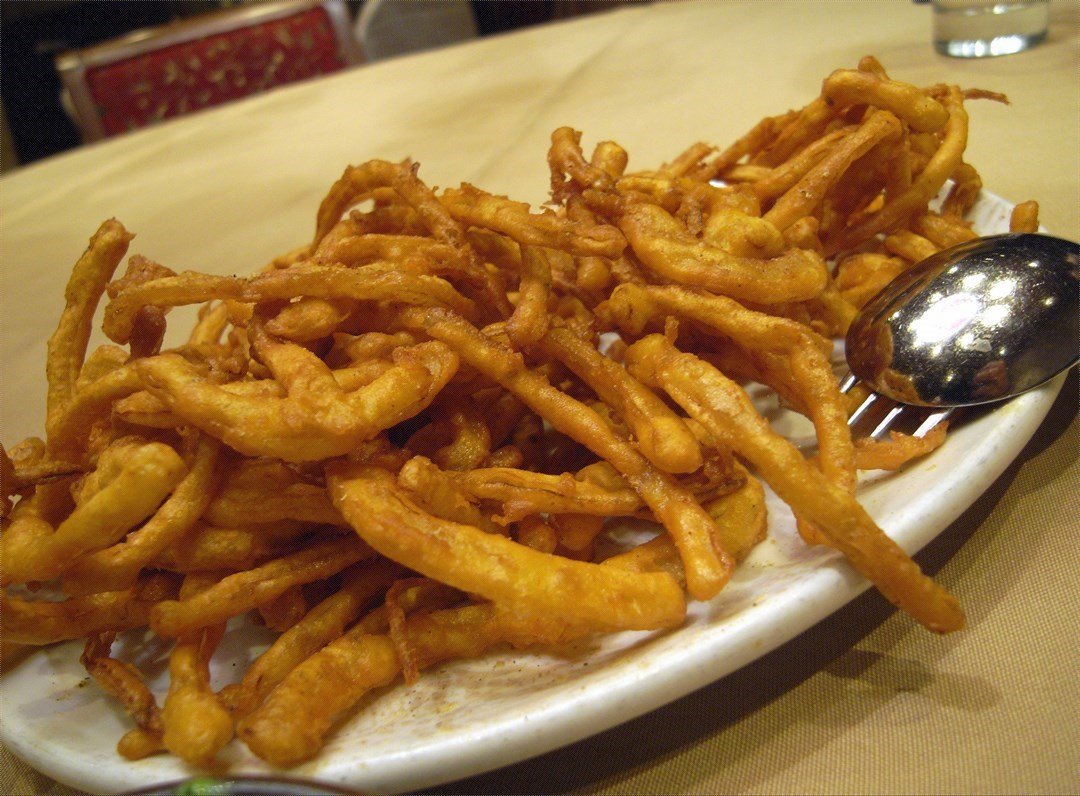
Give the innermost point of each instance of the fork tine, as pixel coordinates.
(887, 421)
(849, 381)
(928, 423)
(864, 407)
(932, 421)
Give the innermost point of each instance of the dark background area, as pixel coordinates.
(34, 32)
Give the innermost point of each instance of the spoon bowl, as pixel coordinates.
(980, 322)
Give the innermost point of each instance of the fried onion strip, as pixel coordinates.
(322, 624)
(491, 565)
(242, 591)
(117, 567)
(123, 681)
(288, 428)
(663, 246)
(523, 492)
(659, 433)
(472, 206)
(375, 282)
(195, 723)
(530, 319)
(726, 411)
(67, 346)
(291, 725)
(40, 622)
(144, 480)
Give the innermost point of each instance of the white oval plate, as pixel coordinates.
(467, 717)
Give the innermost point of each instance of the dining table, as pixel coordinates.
(863, 701)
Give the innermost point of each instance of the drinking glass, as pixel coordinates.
(983, 28)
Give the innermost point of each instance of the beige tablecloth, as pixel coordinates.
(865, 702)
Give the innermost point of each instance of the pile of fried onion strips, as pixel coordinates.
(409, 439)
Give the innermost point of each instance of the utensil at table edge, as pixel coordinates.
(980, 322)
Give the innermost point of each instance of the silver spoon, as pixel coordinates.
(980, 322)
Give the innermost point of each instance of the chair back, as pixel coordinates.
(388, 28)
(171, 70)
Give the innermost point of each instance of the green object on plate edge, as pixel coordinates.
(245, 786)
